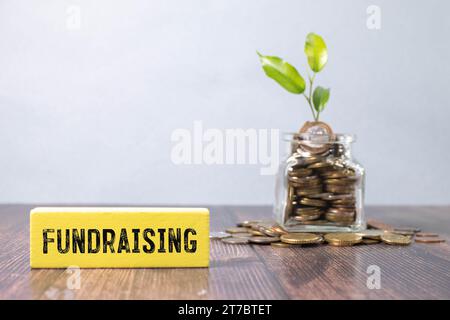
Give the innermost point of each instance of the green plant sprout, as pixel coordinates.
(290, 79)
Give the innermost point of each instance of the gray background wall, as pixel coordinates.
(86, 114)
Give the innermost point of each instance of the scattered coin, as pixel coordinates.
(218, 235)
(373, 234)
(263, 240)
(278, 230)
(236, 230)
(269, 232)
(301, 238)
(256, 233)
(425, 234)
(281, 245)
(370, 241)
(342, 239)
(404, 233)
(395, 239)
(412, 229)
(235, 240)
(429, 240)
(246, 223)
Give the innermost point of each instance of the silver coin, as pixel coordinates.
(219, 235)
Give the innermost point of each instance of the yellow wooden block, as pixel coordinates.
(119, 237)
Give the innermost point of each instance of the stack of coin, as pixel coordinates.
(321, 190)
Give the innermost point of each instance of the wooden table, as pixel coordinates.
(419, 271)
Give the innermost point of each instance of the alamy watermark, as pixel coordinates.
(374, 278)
(73, 17)
(73, 282)
(373, 21)
(214, 146)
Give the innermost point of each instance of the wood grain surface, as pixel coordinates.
(419, 271)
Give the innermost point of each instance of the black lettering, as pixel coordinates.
(46, 239)
(59, 241)
(108, 243)
(123, 242)
(174, 240)
(193, 243)
(149, 241)
(162, 248)
(91, 232)
(136, 240)
(78, 240)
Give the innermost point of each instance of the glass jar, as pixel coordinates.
(320, 186)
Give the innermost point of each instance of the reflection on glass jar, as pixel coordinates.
(320, 186)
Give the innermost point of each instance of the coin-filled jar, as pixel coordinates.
(320, 186)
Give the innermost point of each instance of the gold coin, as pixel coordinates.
(426, 234)
(337, 174)
(339, 189)
(343, 239)
(404, 233)
(301, 238)
(263, 240)
(322, 196)
(348, 211)
(429, 240)
(370, 241)
(305, 181)
(235, 240)
(302, 172)
(339, 244)
(281, 245)
(308, 211)
(395, 239)
(307, 217)
(313, 202)
(278, 230)
(307, 192)
(332, 197)
(320, 165)
(340, 182)
(268, 231)
(333, 217)
(373, 234)
(236, 230)
(343, 202)
(246, 223)
(256, 233)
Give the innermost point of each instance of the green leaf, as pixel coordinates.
(320, 98)
(283, 73)
(316, 52)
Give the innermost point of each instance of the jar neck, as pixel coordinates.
(338, 150)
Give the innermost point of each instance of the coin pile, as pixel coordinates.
(269, 232)
(321, 190)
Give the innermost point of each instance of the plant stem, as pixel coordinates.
(310, 105)
(309, 99)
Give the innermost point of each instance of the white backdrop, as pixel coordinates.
(91, 91)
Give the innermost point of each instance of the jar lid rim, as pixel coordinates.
(335, 138)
